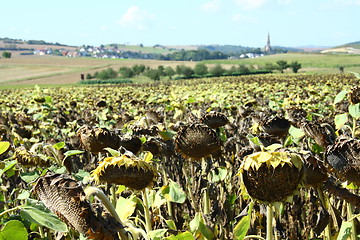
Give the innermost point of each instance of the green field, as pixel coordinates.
(311, 63)
(31, 70)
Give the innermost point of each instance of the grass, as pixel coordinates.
(314, 61)
(31, 70)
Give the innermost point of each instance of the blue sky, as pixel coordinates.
(186, 22)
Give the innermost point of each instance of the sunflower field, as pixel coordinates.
(246, 157)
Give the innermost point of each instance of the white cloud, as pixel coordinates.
(211, 6)
(243, 18)
(250, 4)
(284, 2)
(348, 2)
(135, 18)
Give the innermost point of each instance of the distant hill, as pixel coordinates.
(352, 44)
(348, 48)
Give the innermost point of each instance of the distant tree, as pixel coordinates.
(200, 69)
(270, 67)
(126, 72)
(341, 69)
(282, 65)
(217, 70)
(295, 66)
(141, 45)
(169, 71)
(188, 72)
(88, 76)
(161, 69)
(6, 54)
(107, 74)
(138, 69)
(179, 69)
(243, 69)
(153, 74)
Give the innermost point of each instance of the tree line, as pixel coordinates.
(179, 72)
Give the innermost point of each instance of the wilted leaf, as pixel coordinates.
(176, 193)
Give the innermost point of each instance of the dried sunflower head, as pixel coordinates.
(127, 170)
(271, 176)
(66, 198)
(296, 115)
(276, 126)
(344, 159)
(214, 119)
(96, 139)
(197, 141)
(29, 159)
(316, 132)
(354, 95)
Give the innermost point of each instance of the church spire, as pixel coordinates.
(268, 46)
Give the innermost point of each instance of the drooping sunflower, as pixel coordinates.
(29, 159)
(271, 176)
(214, 119)
(127, 170)
(344, 159)
(196, 141)
(66, 198)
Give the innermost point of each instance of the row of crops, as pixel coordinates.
(247, 157)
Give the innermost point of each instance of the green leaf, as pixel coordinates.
(345, 231)
(197, 226)
(296, 133)
(243, 225)
(113, 152)
(340, 120)
(357, 75)
(340, 96)
(14, 229)
(4, 146)
(181, 236)
(176, 193)
(125, 207)
(42, 217)
(73, 152)
(171, 224)
(29, 176)
(59, 145)
(254, 140)
(354, 110)
(157, 234)
(218, 174)
(24, 194)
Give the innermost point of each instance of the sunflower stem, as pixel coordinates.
(269, 222)
(148, 224)
(353, 130)
(166, 182)
(189, 187)
(352, 220)
(253, 236)
(113, 195)
(325, 203)
(94, 191)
